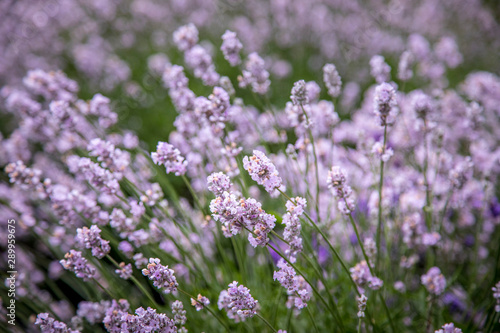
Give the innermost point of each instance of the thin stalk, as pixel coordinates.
(380, 187)
(312, 319)
(344, 267)
(266, 322)
(311, 137)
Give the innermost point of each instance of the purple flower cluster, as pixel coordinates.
(263, 171)
(380, 71)
(75, 262)
(496, 296)
(170, 157)
(361, 274)
(255, 75)
(449, 328)
(200, 302)
(298, 290)
(238, 302)
(218, 183)
(50, 325)
(231, 47)
(385, 104)
(237, 214)
(91, 239)
(332, 80)
(299, 93)
(162, 276)
(125, 271)
(110, 157)
(434, 281)
(336, 181)
(361, 305)
(291, 234)
(103, 179)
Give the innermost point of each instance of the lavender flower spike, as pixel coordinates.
(162, 276)
(385, 104)
(332, 80)
(299, 93)
(49, 325)
(262, 171)
(434, 281)
(170, 157)
(231, 47)
(91, 239)
(238, 302)
(75, 262)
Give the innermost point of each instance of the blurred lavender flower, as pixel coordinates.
(496, 296)
(186, 37)
(332, 80)
(49, 325)
(380, 71)
(218, 183)
(361, 305)
(231, 47)
(299, 93)
(336, 181)
(291, 234)
(170, 157)
(125, 271)
(255, 75)
(449, 328)
(434, 281)
(91, 239)
(200, 302)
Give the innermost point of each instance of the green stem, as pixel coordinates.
(380, 187)
(266, 322)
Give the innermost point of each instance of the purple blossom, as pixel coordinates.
(385, 104)
(50, 325)
(93, 312)
(174, 78)
(434, 281)
(99, 106)
(286, 276)
(51, 85)
(255, 75)
(200, 302)
(361, 274)
(75, 262)
(405, 71)
(422, 104)
(186, 37)
(263, 171)
(238, 302)
(496, 296)
(200, 61)
(170, 157)
(299, 93)
(179, 313)
(125, 271)
(91, 239)
(336, 181)
(361, 305)
(449, 328)
(218, 183)
(380, 71)
(332, 80)
(291, 234)
(110, 157)
(231, 47)
(101, 178)
(162, 276)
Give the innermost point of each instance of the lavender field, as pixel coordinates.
(249, 166)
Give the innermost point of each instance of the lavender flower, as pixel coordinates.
(332, 80)
(125, 271)
(200, 302)
(231, 47)
(93, 312)
(286, 276)
(170, 157)
(91, 239)
(299, 93)
(255, 75)
(291, 234)
(179, 313)
(51, 85)
(101, 178)
(461, 172)
(186, 37)
(434, 281)
(379, 69)
(381, 153)
(337, 182)
(162, 276)
(496, 296)
(361, 305)
(263, 171)
(422, 104)
(385, 104)
(110, 157)
(49, 325)
(218, 183)
(361, 274)
(405, 71)
(449, 328)
(75, 262)
(238, 302)
(200, 61)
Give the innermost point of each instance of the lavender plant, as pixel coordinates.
(347, 204)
